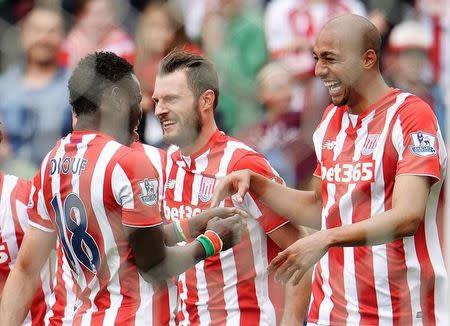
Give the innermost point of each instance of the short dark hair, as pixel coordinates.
(200, 72)
(93, 75)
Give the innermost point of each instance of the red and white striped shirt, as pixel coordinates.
(230, 288)
(87, 188)
(14, 197)
(402, 282)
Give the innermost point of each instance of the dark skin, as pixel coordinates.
(164, 262)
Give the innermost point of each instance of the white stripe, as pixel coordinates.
(122, 188)
(319, 134)
(362, 134)
(326, 305)
(7, 229)
(230, 293)
(413, 277)
(260, 259)
(182, 300)
(351, 293)
(179, 183)
(341, 136)
(436, 258)
(173, 301)
(203, 296)
(155, 157)
(201, 163)
(397, 139)
(110, 247)
(144, 314)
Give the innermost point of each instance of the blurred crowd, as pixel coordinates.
(269, 97)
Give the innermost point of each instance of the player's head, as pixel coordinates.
(347, 55)
(42, 33)
(186, 94)
(105, 92)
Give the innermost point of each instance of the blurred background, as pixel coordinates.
(269, 98)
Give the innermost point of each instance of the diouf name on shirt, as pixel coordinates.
(74, 165)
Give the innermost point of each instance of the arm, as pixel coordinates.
(197, 224)
(23, 280)
(296, 296)
(162, 262)
(402, 220)
(299, 207)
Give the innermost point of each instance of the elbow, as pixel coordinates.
(410, 225)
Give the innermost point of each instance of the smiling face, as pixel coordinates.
(177, 109)
(339, 64)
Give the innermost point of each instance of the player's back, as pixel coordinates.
(87, 184)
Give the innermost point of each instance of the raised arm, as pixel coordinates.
(299, 207)
(408, 208)
(23, 280)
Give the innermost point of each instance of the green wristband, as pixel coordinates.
(178, 231)
(207, 245)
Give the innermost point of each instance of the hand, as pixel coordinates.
(298, 258)
(229, 229)
(237, 182)
(197, 224)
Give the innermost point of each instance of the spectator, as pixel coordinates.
(33, 94)
(409, 66)
(159, 30)
(96, 29)
(278, 130)
(233, 38)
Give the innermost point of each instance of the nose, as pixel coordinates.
(160, 109)
(320, 70)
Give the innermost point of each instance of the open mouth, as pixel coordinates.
(334, 87)
(167, 123)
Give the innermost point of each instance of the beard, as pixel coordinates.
(188, 130)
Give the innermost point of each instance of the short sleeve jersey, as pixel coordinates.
(401, 282)
(88, 187)
(232, 286)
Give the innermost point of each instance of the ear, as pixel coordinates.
(370, 59)
(206, 101)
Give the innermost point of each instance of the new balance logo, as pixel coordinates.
(328, 144)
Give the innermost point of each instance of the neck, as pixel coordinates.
(372, 89)
(204, 136)
(39, 75)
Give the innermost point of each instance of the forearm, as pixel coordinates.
(299, 207)
(177, 260)
(297, 301)
(19, 288)
(385, 227)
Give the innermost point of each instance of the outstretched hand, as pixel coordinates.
(293, 262)
(237, 182)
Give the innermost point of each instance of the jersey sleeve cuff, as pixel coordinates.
(40, 227)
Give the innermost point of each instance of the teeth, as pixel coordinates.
(168, 123)
(330, 84)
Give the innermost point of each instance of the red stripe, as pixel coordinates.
(318, 295)
(161, 304)
(128, 273)
(427, 277)
(60, 293)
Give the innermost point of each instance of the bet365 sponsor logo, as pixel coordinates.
(351, 172)
(182, 211)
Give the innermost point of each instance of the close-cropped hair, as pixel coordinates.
(93, 75)
(201, 74)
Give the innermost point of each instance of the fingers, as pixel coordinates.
(277, 262)
(242, 189)
(219, 194)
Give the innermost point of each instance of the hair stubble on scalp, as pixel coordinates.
(200, 72)
(355, 25)
(93, 75)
